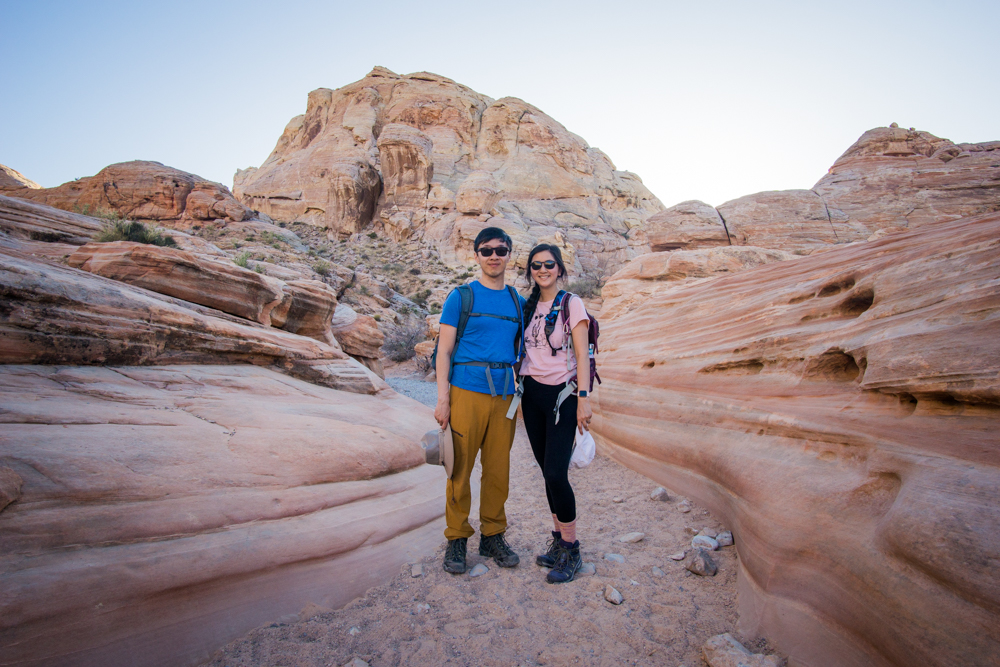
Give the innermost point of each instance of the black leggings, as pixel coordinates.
(551, 443)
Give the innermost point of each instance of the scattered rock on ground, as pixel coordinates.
(612, 595)
(684, 507)
(704, 541)
(708, 532)
(617, 499)
(614, 558)
(725, 539)
(356, 662)
(659, 493)
(657, 572)
(586, 570)
(724, 651)
(701, 563)
(417, 570)
(677, 556)
(632, 537)
(479, 570)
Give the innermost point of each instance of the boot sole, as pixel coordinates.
(543, 561)
(454, 569)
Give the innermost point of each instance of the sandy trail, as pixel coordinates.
(512, 616)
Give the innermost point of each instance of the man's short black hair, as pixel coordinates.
(489, 234)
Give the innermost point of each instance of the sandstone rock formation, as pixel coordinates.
(688, 225)
(167, 510)
(449, 161)
(652, 276)
(38, 222)
(890, 179)
(841, 411)
(142, 190)
(53, 314)
(220, 285)
(359, 336)
(13, 179)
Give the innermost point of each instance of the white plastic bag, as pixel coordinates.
(583, 450)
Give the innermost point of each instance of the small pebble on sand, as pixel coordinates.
(587, 570)
(701, 563)
(677, 556)
(617, 499)
(632, 537)
(479, 570)
(708, 532)
(657, 572)
(633, 582)
(612, 595)
(704, 542)
(614, 558)
(416, 570)
(684, 507)
(423, 608)
(659, 493)
(356, 662)
(354, 631)
(725, 539)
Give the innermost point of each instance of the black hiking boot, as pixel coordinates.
(548, 559)
(496, 547)
(454, 556)
(568, 562)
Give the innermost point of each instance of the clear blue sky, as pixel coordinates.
(703, 100)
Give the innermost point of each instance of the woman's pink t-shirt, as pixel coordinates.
(538, 360)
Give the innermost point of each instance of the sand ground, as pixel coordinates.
(512, 616)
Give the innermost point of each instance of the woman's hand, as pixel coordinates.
(583, 413)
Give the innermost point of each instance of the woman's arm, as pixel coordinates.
(446, 343)
(582, 349)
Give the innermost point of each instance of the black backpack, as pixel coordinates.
(466, 294)
(559, 306)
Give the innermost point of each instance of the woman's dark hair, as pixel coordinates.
(490, 233)
(536, 292)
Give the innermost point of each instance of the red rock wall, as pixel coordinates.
(842, 412)
(163, 512)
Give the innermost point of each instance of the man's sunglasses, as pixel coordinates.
(488, 252)
(548, 264)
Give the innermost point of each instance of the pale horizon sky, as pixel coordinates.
(702, 101)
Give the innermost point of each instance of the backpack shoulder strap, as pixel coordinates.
(519, 338)
(553, 316)
(467, 297)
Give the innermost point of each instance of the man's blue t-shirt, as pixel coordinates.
(485, 338)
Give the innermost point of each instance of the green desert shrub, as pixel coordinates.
(322, 267)
(243, 260)
(122, 229)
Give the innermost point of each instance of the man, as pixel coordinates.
(476, 384)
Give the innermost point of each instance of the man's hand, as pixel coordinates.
(442, 413)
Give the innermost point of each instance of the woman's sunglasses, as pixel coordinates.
(548, 264)
(488, 252)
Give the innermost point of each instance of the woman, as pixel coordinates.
(548, 364)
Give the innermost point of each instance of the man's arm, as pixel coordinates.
(446, 343)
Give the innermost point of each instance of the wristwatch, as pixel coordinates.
(582, 393)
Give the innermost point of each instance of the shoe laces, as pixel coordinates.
(456, 550)
(499, 543)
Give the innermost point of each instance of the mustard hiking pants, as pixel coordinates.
(479, 422)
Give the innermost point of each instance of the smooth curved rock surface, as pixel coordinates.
(428, 135)
(841, 413)
(217, 284)
(142, 190)
(11, 178)
(38, 222)
(653, 275)
(358, 335)
(53, 314)
(167, 510)
(686, 226)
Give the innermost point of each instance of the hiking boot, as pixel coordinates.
(568, 561)
(548, 559)
(496, 547)
(454, 556)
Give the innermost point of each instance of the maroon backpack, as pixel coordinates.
(593, 332)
